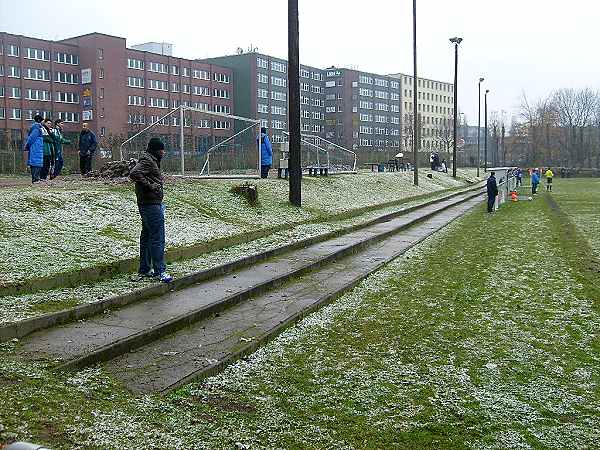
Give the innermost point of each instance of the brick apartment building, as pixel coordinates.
(95, 78)
(261, 92)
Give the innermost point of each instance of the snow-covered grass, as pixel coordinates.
(484, 336)
(67, 226)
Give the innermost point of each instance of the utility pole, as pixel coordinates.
(479, 128)
(485, 146)
(416, 133)
(456, 41)
(294, 103)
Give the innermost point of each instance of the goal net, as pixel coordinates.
(317, 152)
(199, 143)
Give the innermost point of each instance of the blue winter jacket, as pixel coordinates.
(35, 146)
(535, 178)
(266, 150)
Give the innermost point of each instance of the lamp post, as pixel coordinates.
(456, 41)
(294, 103)
(416, 134)
(479, 128)
(485, 147)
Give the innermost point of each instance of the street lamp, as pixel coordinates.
(485, 147)
(416, 134)
(456, 41)
(479, 127)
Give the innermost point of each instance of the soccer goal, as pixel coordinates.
(318, 152)
(200, 143)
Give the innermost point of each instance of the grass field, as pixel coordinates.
(484, 336)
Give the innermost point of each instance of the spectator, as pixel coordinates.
(519, 177)
(59, 140)
(87, 147)
(266, 153)
(149, 192)
(444, 166)
(35, 149)
(492, 192)
(535, 180)
(49, 149)
(549, 176)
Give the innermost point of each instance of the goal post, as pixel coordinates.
(320, 152)
(202, 143)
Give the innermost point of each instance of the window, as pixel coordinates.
(366, 118)
(175, 103)
(304, 87)
(174, 70)
(262, 63)
(276, 81)
(201, 90)
(222, 125)
(278, 66)
(13, 50)
(395, 85)
(102, 131)
(137, 64)
(223, 109)
(136, 119)
(37, 74)
(366, 105)
(158, 85)
(71, 117)
(66, 58)
(278, 124)
(15, 113)
(381, 83)
(38, 95)
(365, 92)
(1, 70)
(187, 89)
(100, 53)
(186, 71)
(381, 94)
(36, 53)
(2, 113)
(315, 89)
(136, 100)
(159, 102)
(281, 96)
(200, 74)
(221, 93)
(175, 87)
(262, 78)
(365, 130)
(221, 78)
(135, 82)
(14, 72)
(101, 93)
(278, 110)
(262, 93)
(101, 73)
(15, 92)
(157, 67)
(31, 113)
(364, 79)
(317, 76)
(1, 91)
(395, 96)
(305, 74)
(66, 77)
(329, 84)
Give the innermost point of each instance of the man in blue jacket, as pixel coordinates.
(35, 148)
(535, 180)
(266, 153)
(492, 192)
(87, 147)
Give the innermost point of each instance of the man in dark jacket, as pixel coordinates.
(266, 153)
(87, 147)
(492, 192)
(149, 193)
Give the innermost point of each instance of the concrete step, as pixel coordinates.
(114, 333)
(23, 328)
(206, 347)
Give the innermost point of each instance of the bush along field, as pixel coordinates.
(483, 336)
(69, 226)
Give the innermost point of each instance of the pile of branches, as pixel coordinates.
(113, 170)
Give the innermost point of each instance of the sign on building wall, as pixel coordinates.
(86, 76)
(87, 115)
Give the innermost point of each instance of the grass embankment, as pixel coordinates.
(484, 336)
(66, 227)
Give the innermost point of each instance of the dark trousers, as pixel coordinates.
(519, 181)
(46, 167)
(533, 188)
(58, 165)
(152, 239)
(264, 171)
(491, 203)
(35, 174)
(85, 163)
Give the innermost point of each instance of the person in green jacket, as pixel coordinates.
(59, 140)
(49, 149)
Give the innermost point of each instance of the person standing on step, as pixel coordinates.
(35, 149)
(149, 192)
(266, 153)
(87, 147)
(549, 176)
(492, 192)
(59, 140)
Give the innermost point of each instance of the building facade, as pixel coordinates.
(262, 91)
(96, 79)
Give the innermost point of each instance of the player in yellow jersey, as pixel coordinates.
(549, 175)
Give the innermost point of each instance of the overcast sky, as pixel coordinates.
(517, 45)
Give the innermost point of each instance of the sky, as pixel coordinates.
(518, 46)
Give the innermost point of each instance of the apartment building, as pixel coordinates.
(96, 78)
(435, 103)
(262, 90)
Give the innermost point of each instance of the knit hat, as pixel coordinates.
(155, 145)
